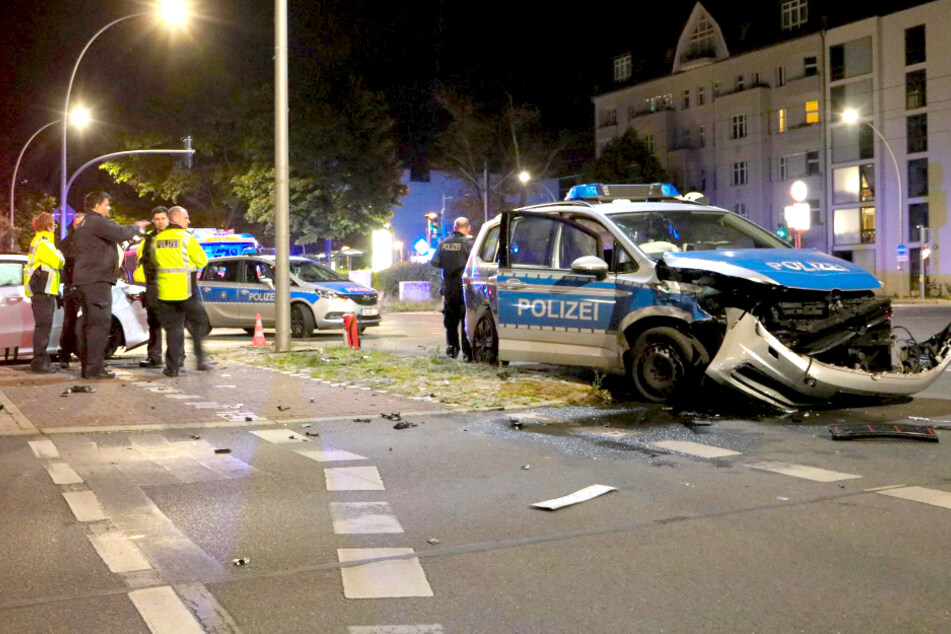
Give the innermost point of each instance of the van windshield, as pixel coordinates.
(657, 232)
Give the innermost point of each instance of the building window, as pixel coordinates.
(812, 163)
(741, 210)
(795, 14)
(608, 117)
(917, 133)
(917, 217)
(686, 100)
(917, 177)
(739, 83)
(809, 66)
(853, 184)
(739, 127)
(740, 174)
(815, 211)
(701, 95)
(855, 94)
(851, 59)
(852, 143)
(854, 226)
(780, 76)
(916, 91)
(716, 89)
(702, 137)
(781, 127)
(915, 45)
(649, 142)
(867, 225)
(812, 112)
(702, 40)
(783, 168)
(622, 67)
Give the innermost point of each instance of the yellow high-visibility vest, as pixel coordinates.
(44, 256)
(177, 255)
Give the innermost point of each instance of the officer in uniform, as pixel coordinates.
(145, 273)
(178, 256)
(95, 247)
(68, 341)
(451, 256)
(41, 283)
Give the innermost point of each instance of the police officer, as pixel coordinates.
(95, 247)
(178, 256)
(68, 341)
(41, 283)
(451, 256)
(145, 272)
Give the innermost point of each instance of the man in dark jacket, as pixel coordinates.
(451, 256)
(95, 270)
(68, 341)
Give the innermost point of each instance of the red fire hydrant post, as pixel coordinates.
(351, 330)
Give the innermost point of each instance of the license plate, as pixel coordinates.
(369, 312)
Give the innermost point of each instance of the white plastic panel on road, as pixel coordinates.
(363, 518)
(802, 471)
(933, 497)
(329, 454)
(353, 479)
(85, 506)
(383, 579)
(695, 449)
(163, 612)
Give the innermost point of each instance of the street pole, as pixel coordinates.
(901, 204)
(123, 154)
(485, 191)
(13, 181)
(282, 263)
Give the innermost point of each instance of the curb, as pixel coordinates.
(26, 427)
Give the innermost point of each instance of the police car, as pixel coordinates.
(235, 289)
(641, 279)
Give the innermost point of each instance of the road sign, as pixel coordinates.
(902, 253)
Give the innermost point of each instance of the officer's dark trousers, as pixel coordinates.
(155, 324)
(175, 316)
(68, 343)
(96, 301)
(454, 316)
(43, 307)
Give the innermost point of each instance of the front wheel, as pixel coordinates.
(485, 342)
(302, 322)
(116, 338)
(661, 363)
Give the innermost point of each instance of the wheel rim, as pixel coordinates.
(297, 322)
(659, 370)
(483, 344)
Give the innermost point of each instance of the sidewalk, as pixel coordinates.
(144, 398)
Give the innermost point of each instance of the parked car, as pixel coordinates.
(235, 289)
(129, 323)
(641, 279)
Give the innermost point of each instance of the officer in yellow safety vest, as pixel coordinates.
(41, 283)
(178, 256)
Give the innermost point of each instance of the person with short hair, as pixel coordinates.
(145, 272)
(451, 256)
(41, 284)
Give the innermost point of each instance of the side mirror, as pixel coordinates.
(590, 265)
(268, 282)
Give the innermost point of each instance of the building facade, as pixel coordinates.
(743, 127)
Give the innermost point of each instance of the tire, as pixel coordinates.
(485, 342)
(116, 338)
(661, 364)
(302, 322)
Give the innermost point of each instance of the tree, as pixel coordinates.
(626, 160)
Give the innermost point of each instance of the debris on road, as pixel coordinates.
(242, 561)
(311, 433)
(782, 499)
(883, 430)
(248, 419)
(582, 495)
(515, 423)
(921, 418)
(281, 408)
(526, 467)
(76, 389)
(404, 425)
(392, 416)
(432, 540)
(306, 425)
(194, 436)
(222, 451)
(362, 420)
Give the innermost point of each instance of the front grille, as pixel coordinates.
(364, 299)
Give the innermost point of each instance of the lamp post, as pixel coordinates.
(442, 216)
(524, 177)
(851, 117)
(282, 193)
(13, 181)
(171, 11)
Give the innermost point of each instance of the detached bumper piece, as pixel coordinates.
(886, 430)
(753, 361)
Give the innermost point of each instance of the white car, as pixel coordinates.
(129, 322)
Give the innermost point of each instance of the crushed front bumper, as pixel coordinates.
(757, 363)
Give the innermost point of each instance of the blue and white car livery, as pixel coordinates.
(636, 277)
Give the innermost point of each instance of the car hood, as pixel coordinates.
(794, 268)
(343, 287)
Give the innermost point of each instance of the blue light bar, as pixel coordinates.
(633, 191)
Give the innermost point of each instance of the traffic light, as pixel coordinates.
(781, 231)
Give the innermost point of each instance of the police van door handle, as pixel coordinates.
(513, 284)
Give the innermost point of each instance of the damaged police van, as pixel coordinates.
(641, 279)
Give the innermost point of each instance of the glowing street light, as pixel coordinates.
(524, 176)
(80, 117)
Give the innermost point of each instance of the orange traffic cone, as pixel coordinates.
(258, 339)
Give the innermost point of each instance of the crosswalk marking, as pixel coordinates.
(118, 552)
(353, 479)
(921, 494)
(84, 505)
(62, 473)
(693, 449)
(44, 449)
(278, 436)
(329, 454)
(183, 397)
(435, 628)
(382, 579)
(164, 389)
(802, 471)
(163, 612)
(363, 518)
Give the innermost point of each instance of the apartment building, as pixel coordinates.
(742, 127)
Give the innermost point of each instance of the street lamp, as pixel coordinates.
(172, 12)
(850, 117)
(13, 181)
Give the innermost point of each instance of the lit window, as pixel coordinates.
(795, 13)
(622, 67)
(812, 112)
(782, 121)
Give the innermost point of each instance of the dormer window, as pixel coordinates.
(795, 14)
(622, 67)
(702, 42)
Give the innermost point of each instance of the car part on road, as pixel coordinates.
(228, 450)
(582, 495)
(883, 430)
(242, 561)
(404, 425)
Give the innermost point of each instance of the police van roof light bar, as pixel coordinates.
(634, 191)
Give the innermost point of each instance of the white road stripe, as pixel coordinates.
(118, 552)
(84, 505)
(278, 436)
(163, 612)
(164, 390)
(363, 518)
(44, 449)
(329, 454)
(436, 628)
(209, 405)
(62, 473)
(143, 383)
(353, 479)
(183, 397)
(933, 497)
(382, 579)
(802, 471)
(693, 449)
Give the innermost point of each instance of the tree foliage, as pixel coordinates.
(626, 160)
